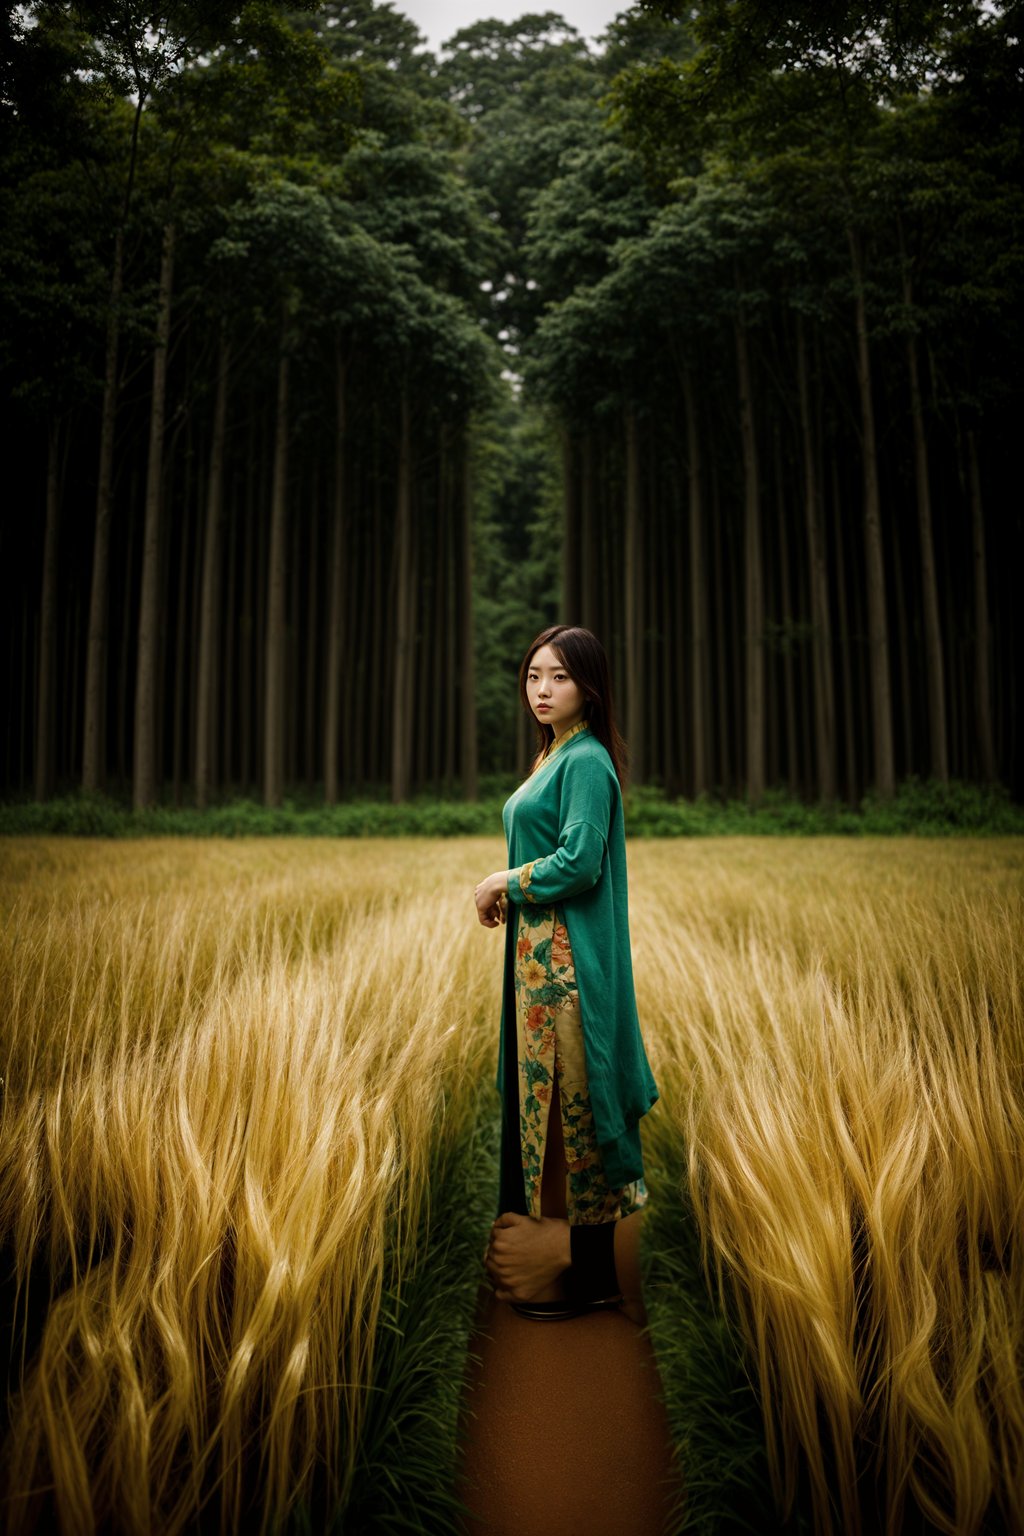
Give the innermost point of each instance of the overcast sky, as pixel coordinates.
(440, 19)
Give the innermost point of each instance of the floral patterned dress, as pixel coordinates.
(552, 1059)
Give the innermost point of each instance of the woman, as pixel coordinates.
(572, 1069)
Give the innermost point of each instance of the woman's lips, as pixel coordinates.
(543, 706)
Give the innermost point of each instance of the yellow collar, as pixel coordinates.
(556, 746)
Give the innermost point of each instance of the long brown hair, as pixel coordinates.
(583, 657)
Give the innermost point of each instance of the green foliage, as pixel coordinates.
(597, 200)
(923, 808)
(638, 35)
(928, 806)
(83, 815)
(53, 288)
(769, 137)
(528, 91)
(490, 62)
(367, 33)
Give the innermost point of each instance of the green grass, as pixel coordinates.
(713, 1411)
(924, 807)
(405, 1476)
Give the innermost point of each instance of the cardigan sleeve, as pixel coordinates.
(585, 812)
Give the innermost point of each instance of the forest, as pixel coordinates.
(333, 370)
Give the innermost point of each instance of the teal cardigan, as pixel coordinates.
(567, 849)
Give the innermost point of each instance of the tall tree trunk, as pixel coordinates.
(10, 733)
(878, 627)
(163, 671)
(570, 594)
(846, 641)
(678, 658)
(264, 501)
(960, 731)
(144, 754)
(225, 750)
(449, 644)
(251, 584)
(611, 554)
(467, 641)
(277, 560)
(722, 670)
(44, 764)
(788, 682)
(357, 744)
(382, 663)
(654, 626)
(698, 594)
(934, 660)
(587, 542)
(190, 514)
(672, 702)
(649, 627)
(129, 620)
(906, 714)
(422, 710)
(73, 668)
(403, 627)
(633, 555)
(10, 694)
(26, 695)
(208, 706)
(433, 643)
(336, 591)
(821, 625)
(753, 575)
(982, 682)
(94, 731)
(95, 724)
(291, 640)
(311, 668)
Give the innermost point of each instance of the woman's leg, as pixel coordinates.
(627, 1266)
(552, 1191)
(554, 1173)
(525, 1256)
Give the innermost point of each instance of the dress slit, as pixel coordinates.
(551, 1076)
(560, 1205)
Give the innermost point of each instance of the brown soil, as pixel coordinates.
(563, 1429)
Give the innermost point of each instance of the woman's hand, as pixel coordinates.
(491, 898)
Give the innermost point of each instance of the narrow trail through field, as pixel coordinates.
(563, 1430)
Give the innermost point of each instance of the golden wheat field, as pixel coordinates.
(227, 1065)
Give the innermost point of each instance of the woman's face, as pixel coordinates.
(554, 697)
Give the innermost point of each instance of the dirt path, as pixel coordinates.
(563, 1430)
